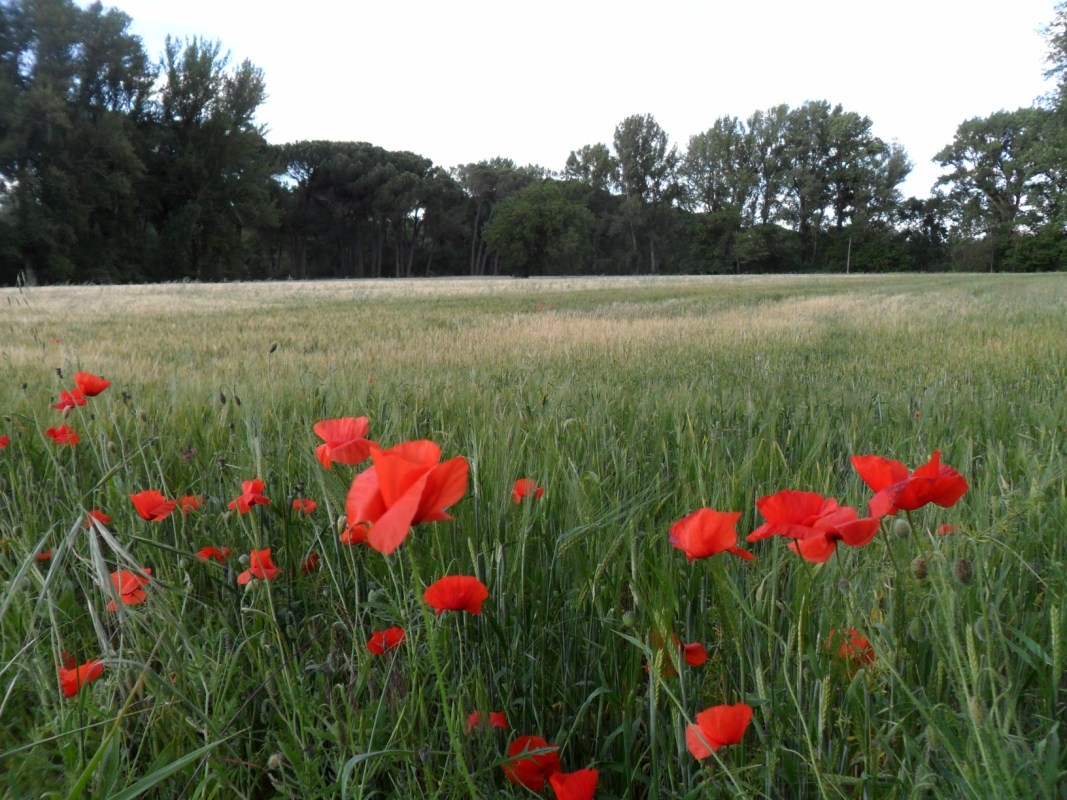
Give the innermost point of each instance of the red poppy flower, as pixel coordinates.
(346, 440)
(389, 639)
(311, 563)
(251, 495)
(492, 719)
(44, 556)
(579, 785)
(96, 516)
(130, 586)
(896, 490)
(260, 566)
(191, 502)
(356, 534)
(716, 727)
(852, 647)
(406, 486)
(304, 505)
(816, 524)
(526, 487)
(694, 654)
(456, 593)
(945, 528)
(152, 505)
(533, 771)
(657, 641)
(68, 400)
(219, 554)
(72, 678)
(90, 385)
(4, 441)
(62, 435)
(706, 532)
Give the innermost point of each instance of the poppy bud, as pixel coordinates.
(629, 619)
(901, 528)
(963, 571)
(222, 398)
(918, 568)
(917, 630)
(111, 447)
(273, 346)
(342, 524)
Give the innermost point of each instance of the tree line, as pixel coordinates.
(118, 168)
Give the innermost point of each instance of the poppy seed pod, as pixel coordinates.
(918, 568)
(963, 571)
(901, 528)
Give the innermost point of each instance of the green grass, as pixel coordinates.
(632, 403)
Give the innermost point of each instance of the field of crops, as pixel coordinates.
(558, 597)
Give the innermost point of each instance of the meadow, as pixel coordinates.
(927, 663)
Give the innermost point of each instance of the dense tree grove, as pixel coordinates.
(117, 168)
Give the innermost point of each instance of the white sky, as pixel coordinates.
(468, 80)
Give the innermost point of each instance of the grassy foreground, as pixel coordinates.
(633, 403)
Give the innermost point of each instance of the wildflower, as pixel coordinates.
(260, 566)
(694, 654)
(945, 528)
(90, 385)
(456, 593)
(251, 495)
(816, 524)
(69, 400)
(4, 441)
(406, 486)
(73, 677)
(62, 435)
(706, 532)
(541, 762)
(310, 564)
(492, 719)
(130, 587)
(356, 534)
(526, 487)
(853, 648)
(895, 489)
(389, 639)
(217, 553)
(578, 785)
(96, 516)
(716, 727)
(152, 505)
(45, 555)
(304, 505)
(346, 440)
(191, 502)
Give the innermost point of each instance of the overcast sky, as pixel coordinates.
(468, 80)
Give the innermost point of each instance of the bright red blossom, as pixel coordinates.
(355, 534)
(191, 502)
(346, 440)
(579, 785)
(534, 770)
(152, 505)
(526, 487)
(694, 654)
(311, 563)
(4, 441)
(492, 719)
(406, 486)
(816, 524)
(716, 727)
(219, 554)
(72, 678)
(852, 647)
(260, 566)
(90, 385)
(456, 593)
(251, 495)
(945, 528)
(96, 516)
(62, 435)
(130, 587)
(305, 506)
(389, 639)
(69, 400)
(706, 532)
(896, 490)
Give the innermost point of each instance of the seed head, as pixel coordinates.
(918, 568)
(963, 571)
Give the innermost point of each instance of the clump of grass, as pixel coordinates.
(632, 403)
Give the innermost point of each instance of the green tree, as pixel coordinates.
(537, 231)
(648, 181)
(487, 183)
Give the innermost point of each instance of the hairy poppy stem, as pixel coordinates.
(453, 732)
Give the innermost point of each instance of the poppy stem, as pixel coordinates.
(450, 720)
